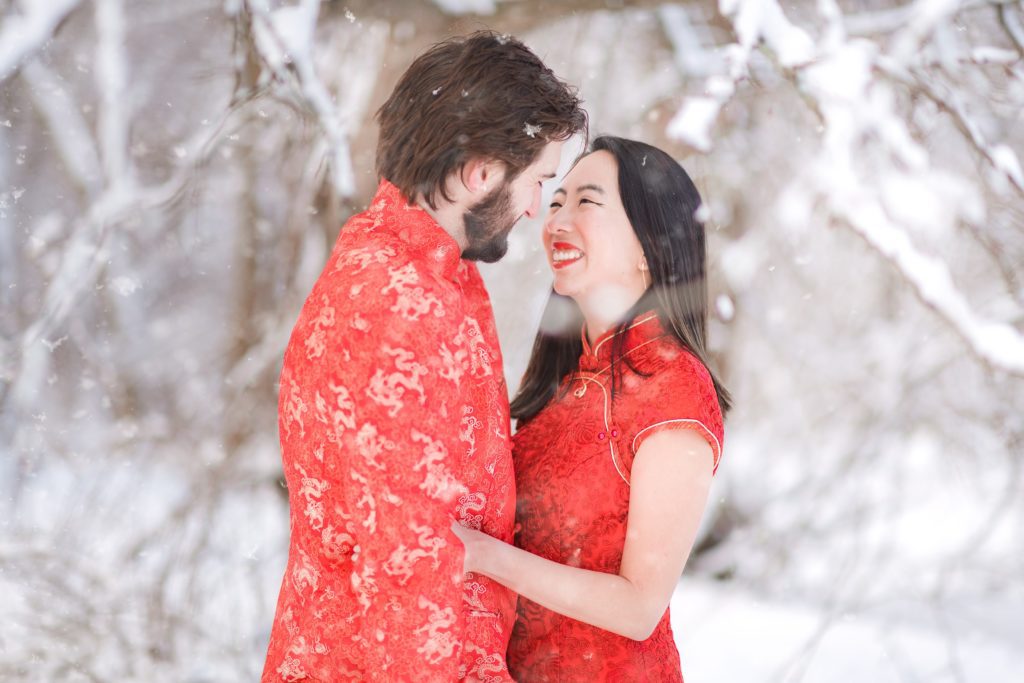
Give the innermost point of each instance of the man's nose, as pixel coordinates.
(534, 207)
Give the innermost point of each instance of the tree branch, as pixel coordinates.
(25, 34)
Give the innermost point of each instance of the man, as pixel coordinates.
(393, 409)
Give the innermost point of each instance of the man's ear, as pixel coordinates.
(480, 176)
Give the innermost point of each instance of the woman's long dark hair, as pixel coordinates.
(661, 203)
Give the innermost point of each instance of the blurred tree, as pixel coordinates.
(174, 175)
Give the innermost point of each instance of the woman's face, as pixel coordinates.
(590, 244)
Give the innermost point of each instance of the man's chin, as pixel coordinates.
(487, 253)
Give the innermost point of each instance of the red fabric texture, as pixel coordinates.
(393, 420)
(573, 461)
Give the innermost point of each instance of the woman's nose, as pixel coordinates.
(553, 227)
(556, 223)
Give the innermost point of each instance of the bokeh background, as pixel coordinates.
(173, 174)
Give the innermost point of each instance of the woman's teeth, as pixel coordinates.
(566, 255)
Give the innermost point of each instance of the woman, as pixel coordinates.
(619, 427)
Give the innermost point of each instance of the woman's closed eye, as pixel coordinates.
(583, 200)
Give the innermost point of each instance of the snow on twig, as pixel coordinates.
(763, 20)
(284, 39)
(66, 125)
(461, 7)
(687, 52)
(86, 251)
(1011, 23)
(838, 81)
(111, 83)
(22, 35)
(1002, 158)
(754, 21)
(998, 344)
(922, 22)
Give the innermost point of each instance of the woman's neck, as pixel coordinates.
(604, 311)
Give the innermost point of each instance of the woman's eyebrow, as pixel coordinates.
(583, 188)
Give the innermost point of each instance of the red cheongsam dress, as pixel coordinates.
(394, 422)
(572, 463)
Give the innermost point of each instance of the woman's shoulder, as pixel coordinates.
(675, 390)
(673, 377)
(667, 359)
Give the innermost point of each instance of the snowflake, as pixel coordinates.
(531, 129)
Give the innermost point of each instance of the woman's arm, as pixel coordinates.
(670, 480)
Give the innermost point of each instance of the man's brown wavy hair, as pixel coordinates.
(482, 96)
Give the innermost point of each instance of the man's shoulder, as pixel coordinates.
(375, 281)
(366, 253)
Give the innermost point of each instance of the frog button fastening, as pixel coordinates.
(582, 390)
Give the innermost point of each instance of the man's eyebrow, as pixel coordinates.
(562, 190)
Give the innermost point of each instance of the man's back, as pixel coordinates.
(394, 422)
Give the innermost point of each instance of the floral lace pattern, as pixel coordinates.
(393, 419)
(573, 461)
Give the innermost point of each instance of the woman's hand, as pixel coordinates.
(671, 476)
(472, 542)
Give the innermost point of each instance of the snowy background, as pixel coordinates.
(172, 175)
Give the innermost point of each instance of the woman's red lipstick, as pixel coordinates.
(564, 246)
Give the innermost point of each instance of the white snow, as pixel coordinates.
(694, 121)
(159, 230)
(24, 33)
(756, 20)
(725, 634)
(460, 7)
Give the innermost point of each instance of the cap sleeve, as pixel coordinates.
(679, 395)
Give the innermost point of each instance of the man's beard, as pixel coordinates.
(488, 225)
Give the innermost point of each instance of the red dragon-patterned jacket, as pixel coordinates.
(393, 420)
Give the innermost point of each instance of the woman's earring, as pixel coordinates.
(643, 272)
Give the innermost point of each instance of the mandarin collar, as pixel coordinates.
(642, 329)
(417, 228)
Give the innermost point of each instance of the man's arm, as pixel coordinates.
(403, 445)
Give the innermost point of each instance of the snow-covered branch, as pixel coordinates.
(111, 83)
(66, 125)
(24, 34)
(997, 344)
(1000, 156)
(461, 7)
(1009, 19)
(755, 22)
(862, 122)
(285, 38)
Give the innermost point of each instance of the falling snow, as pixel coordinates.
(163, 215)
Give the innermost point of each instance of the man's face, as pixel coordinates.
(489, 222)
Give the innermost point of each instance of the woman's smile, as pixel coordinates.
(564, 254)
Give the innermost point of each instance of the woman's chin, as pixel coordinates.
(563, 287)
